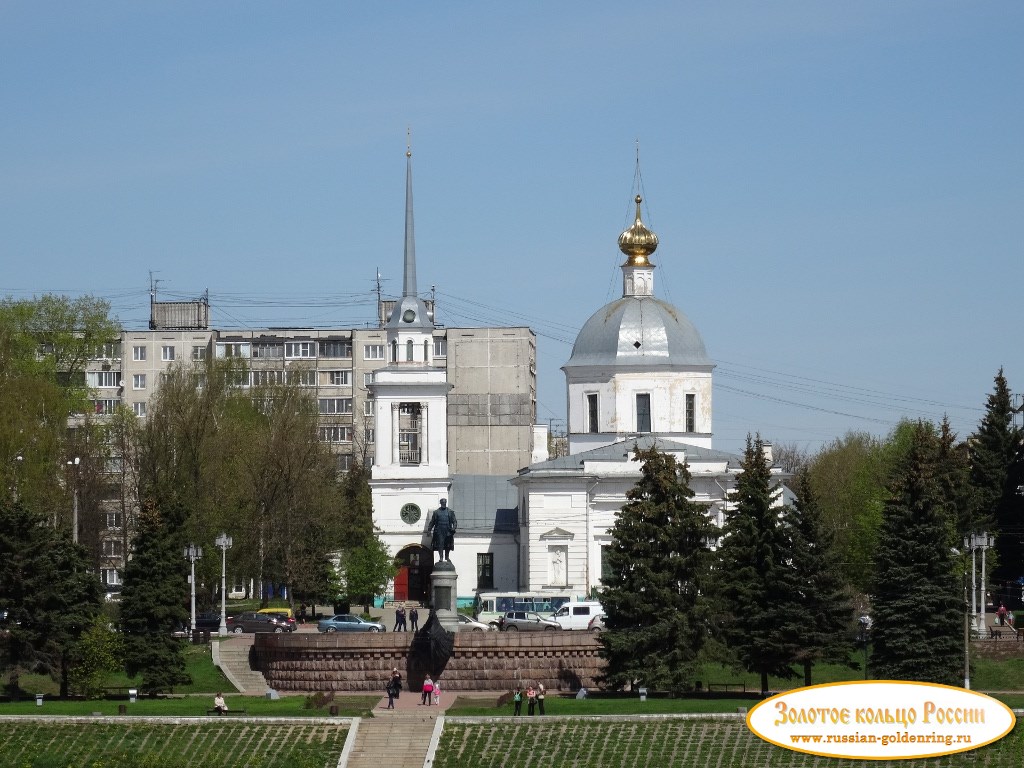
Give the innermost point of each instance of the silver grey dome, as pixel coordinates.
(638, 331)
(410, 312)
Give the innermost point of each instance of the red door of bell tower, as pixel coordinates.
(402, 584)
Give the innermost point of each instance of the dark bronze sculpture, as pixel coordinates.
(443, 525)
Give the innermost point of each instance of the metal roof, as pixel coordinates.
(623, 449)
(484, 503)
(638, 331)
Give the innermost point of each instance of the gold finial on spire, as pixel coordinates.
(638, 242)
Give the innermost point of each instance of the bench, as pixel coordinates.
(728, 686)
(226, 712)
(118, 691)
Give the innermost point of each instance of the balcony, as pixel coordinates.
(409, 457)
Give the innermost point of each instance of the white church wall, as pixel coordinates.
(556, 541)
(616, 392)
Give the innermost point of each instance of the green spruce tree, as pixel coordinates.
(759, 588)
(917, 602)
(655, 595)
(153, 606)
(47, 594)
(996, 456)
(825, 596)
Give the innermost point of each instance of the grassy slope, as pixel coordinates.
(217, 744)
(194, 706)
(666, 743)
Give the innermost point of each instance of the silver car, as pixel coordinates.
(526, 621)
(466, 624)
(348, 622)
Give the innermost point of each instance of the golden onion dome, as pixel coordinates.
(638, 242)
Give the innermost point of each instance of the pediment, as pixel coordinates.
(557, 533)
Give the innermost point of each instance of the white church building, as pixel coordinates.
(638, 375)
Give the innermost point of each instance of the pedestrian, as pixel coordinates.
(540, 698)
(302, 614)
(392, 692)
(219, 705)
(399, 620)
(517, 699)
(531, 699)
(394, 687)
(428, 691)
(414, 618)
(437, 693)
(1001, 614)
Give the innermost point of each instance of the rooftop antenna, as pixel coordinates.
(153, 284)
(380, 300)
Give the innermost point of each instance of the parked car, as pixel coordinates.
(577, 615)
(467, 624)
(349, 622)
(596, 624)
(525, 621)
(208, 621)
(258, 622)
(281, 613)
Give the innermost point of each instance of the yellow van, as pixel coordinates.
(287, 612)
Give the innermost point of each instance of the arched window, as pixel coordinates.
(394, 351)
(408, 351)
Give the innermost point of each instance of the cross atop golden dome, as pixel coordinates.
(638, 242)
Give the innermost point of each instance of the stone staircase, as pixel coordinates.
(395, 738)
(232, 656)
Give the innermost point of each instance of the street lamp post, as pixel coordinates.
(967, 640)
(976, 541)
(988, 543)
(73, 463)
(224, 542)
(193, 553)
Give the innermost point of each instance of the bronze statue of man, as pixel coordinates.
(443, 525)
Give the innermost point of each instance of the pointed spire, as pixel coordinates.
(409, 282)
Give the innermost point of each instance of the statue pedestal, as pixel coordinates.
(442, 591)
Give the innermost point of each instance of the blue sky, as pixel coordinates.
(838, 187)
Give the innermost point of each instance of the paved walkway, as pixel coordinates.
(232, 656)
(403, 737)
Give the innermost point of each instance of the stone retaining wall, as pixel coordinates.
(491, 661)
(1007, 647)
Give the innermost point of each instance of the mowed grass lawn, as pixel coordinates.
(661, 743)
(143, 744)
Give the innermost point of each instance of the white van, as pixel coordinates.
(577, 615)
